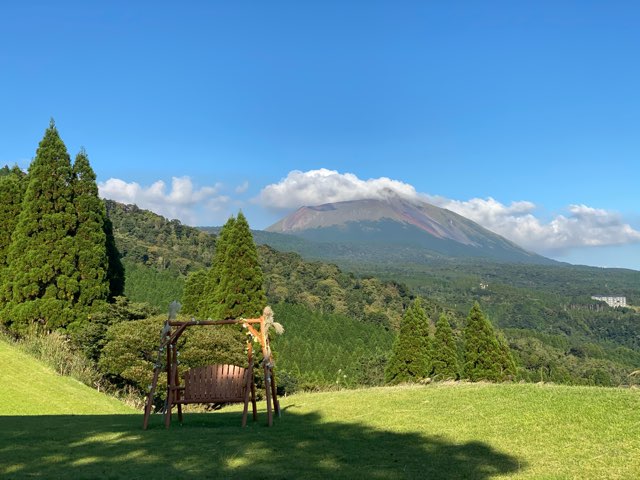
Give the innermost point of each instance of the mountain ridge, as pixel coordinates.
(398, 221)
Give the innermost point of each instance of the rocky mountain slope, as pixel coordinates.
(400, 224)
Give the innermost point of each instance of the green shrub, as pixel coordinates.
(131, 351)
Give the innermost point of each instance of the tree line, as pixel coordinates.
(418, 354)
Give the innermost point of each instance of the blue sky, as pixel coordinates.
(524, 116)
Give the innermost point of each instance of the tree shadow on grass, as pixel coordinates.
(215, 446)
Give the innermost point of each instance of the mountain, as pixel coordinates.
(396, 228)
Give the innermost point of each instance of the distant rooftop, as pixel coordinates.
(612, 300)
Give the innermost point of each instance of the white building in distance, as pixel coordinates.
(611, 300)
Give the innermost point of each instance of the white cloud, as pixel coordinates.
(583, 226)
(182, 201)
(316, 187)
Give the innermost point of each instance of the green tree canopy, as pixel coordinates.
(12, 187)
(485, 357)
(90, 236)
(42, 255)
(56, 266)
(115, 271)
(410, 358)
(234, 286)
(212, 298)
(241, 283)
(445, 354)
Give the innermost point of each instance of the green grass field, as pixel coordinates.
(30, 388)
(51, 427)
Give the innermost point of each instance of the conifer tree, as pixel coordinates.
(90, 236)
(505, 357)
(234, 285)
(211, 300)
(12, 186)
(445, 355)
(115, 270)
(410, 357)
(484, 357)
(42, 254)
(240, 292)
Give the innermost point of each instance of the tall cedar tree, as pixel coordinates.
(210, 304)
(12, 187)
(240, 291)
(234, 285)
(115, 270)
(42, 254)
(90, 236)
(445, 354)
(410, 358)
(485, 358)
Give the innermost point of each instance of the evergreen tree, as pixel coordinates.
(484, 357)
(505, 357)
(240, 291)
(12, 186)
(234, 285)
(90, 237)
(42, 255)
(115, 270)
(410, 357)
(445, 355)
(211, 299)
(193, 292)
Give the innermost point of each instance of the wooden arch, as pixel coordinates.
(257, 329)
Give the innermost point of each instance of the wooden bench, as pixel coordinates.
(218, 384)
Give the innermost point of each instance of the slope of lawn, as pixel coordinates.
(30, 388)
(450, 431)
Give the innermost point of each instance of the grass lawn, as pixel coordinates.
(27, 387)
(465, 431)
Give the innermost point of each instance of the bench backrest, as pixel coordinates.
(216, 383)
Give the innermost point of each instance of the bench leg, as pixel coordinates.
(246, 407)
(167, 415)
(253, 401)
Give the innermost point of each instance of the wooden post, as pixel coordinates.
(249, 380)
(253, 399)
(152, 391)
(252, 384)
(266, 362)
(176, 383)
(267, 386)
(164, 335)
(167, 413)
(274, 394)
(267, 347)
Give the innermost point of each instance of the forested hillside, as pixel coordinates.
(557, 333)
(158, 254)
(151, 240)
